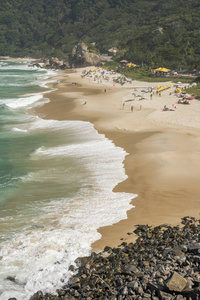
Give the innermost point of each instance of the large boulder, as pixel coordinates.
(176, 283)
(81, 57)
(53, 63)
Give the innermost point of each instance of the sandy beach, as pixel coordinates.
(163, 147)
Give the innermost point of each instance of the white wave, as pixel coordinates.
(39, 257)
(18, 129)
(23, 101)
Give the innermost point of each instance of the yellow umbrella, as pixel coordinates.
(165, 70)
(131, 65)
(160, 89)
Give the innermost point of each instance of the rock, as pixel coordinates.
(176, 283)
(113, 50)
(159, 30)
(81, 57)
(11, 278)
(69, 297)
(163, 263)
(179, 297)
(165, 296)
(128, 270)
(125, 291)
(194, 247)
(37, 296)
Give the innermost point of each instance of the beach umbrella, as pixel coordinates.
(165, 70)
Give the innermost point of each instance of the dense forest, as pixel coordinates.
(153, 32)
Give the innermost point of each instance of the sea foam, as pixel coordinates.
(23, 101)
(40, 256)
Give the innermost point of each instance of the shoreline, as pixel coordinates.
(159, 164)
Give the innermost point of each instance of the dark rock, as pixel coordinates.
(11, 278)
(72, 268)
(130, 269)
(69, 297)
(163, 263)
(37, 296)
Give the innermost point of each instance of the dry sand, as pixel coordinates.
(163, 161)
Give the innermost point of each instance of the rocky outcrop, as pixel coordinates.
(81, 57)
(113, 50)
(52, 63)
(159, 30)
(55, 63)
(163, 264)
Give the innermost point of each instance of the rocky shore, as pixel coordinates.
(163, 264)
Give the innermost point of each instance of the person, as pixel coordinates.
(123, 105)
(132, 108)
(165, 108)
(104, 90)
(151, 96)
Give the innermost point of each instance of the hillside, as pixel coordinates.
(153, 32)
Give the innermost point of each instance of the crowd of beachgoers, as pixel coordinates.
(164, 96)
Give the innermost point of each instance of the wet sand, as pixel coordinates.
(163, 148)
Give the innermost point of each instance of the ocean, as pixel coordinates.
(56, 182)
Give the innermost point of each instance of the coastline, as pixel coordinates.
(160, 165)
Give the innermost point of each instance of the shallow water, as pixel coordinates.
(56, 181)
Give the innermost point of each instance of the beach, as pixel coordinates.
(162, 162)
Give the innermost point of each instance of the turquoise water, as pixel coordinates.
(56, 181)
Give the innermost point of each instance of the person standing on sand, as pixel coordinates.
(131, 108)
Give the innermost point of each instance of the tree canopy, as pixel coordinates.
(153, 32)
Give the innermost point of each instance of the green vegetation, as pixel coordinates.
(153, 32)
(194, 91)
(143, 73)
